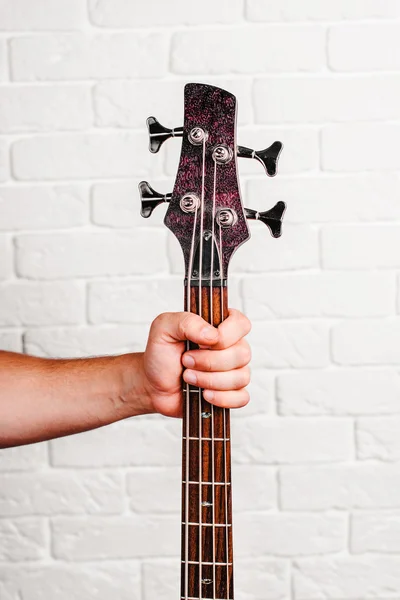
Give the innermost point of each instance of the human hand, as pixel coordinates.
(219, 367)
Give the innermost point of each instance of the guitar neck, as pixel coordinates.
(207, 553)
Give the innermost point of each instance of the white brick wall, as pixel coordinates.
(317, 452)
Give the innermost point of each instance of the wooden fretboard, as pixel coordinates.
(207, 552)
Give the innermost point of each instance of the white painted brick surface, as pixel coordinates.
(67, 255)
(49, 15)
(313, 10)
(319, 295)
(78, 56)
(360, 146)
(37, 108)
(23, 539)
(61, 492)
(135, 536)
(108, 13)
(364, 47)
(339, 392)
(43, 207)
(105, 580)
(346, 578)
(333, 198)
(26, 303)
(266, 440)
(316, 452)
(205, 55)
(340, 487)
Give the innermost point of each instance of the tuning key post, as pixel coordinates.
(268, 157)
(272, 218)
(158, 134)
(150, 198)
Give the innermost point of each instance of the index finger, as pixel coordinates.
(232, 329)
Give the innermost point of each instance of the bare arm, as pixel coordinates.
(45, 398)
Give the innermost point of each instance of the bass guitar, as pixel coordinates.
(206, 214)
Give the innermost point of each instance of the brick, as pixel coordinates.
(319, 295)
(52, 14)
(357, 147)
(130, 443)
(106, 580)
(23, 458)
(97, 538)
(80, 156)
(112, 302)
(377, 438)
(11, 341)
(107, 13)
(205, 56)
(349, 486)
(22, 539)
(364, 47)
(265, 578)
(367, 342)
(273, 440)
(320, 199)
(25, 303)
(300, 153)
(4, 161)
(42, 207)
(127, 104)
(296, 249)
(346, 577)
(262, 396)
(67, 493)
(7, 257)
(3, 61)
(258, 534)
(284, 345)
(372, 532)
(84, 56)
(88, 254)
(361, 246)
(44, 108)
(312, 10)
(339, 392)
(117, 204)
(77, 342)
(255, 489)
(327, 98)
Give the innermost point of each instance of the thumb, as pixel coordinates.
(180, 326)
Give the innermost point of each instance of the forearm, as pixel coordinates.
(44, 398)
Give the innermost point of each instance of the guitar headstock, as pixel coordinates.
(205, 210)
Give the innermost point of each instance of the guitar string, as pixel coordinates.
(225, 414)
(187, 443)
(199, 389)
(212, 405)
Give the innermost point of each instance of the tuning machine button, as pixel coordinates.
(158, 134)
(272, 217)
(268, 157)
(150, 198)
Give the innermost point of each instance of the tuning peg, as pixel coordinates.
(158, 134)
(272, 218)
(268, 157)
(150, 198)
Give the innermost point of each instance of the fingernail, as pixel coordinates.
(208, 395)
(188, 361)
(209, 333)
(190, 377)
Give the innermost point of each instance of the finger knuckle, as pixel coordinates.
(245, 353)
(244, 398)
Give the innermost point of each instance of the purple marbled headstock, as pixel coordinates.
(205, 210)
(207, 176)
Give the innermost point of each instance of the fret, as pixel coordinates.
(204, 439)
(208, 482)
(217, 564)
(207, 524)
